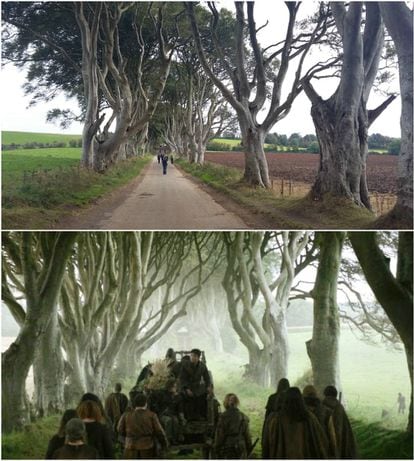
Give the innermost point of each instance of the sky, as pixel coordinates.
(17, 116)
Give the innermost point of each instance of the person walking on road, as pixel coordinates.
(164, 163)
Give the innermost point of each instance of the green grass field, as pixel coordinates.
(38, 185)
(16, 162)
(235, 142)
(20, 137)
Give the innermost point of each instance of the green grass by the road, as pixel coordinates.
(281, 212)
(39, 185)
(21, 137)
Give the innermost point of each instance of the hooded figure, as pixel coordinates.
(324, 415)
(275, 401)
(293, 432)
(345, 440)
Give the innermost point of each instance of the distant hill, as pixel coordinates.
(22, 137)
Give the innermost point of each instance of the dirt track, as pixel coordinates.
(157, 201)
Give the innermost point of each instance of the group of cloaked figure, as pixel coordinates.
(163, 159)
(296, 425)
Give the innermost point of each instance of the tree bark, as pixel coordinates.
(256, 171)
(342, 121)
(324, 346)
(343, 151)
(48, 371)
(399, 22)
(265, 337)
(395, 294)
(41, 291)
(89, 39)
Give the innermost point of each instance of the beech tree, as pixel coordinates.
(398, 19)
(342, 121)
(123, 88)
(246, 279)
(323, 348)
(33, 265)
(109, 72)
(109, 314)
(193, 111)
(253, 79)
(393, 292)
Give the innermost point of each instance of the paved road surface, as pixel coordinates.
(161, 202)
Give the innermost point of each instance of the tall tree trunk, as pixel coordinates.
(77, 381)
(324, 347)
(201, 150)
(342, 121)
(399, 22)
(342, 135)
(90, 82)
(41, 302)
(279, 350)
(256, 171)
(395, 294)
(14, 410)
(48, 371)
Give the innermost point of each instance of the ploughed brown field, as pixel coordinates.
(302, 168)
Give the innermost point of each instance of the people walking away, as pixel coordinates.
(164, 163)
(75, 446)
(115, 405)
(196, 384)
(58, 440)
(142, 430)
(105, 418)
(324, 415)
(232, 438)
(345, 439)
(160, 154)
(401, 403)
(293, 432)
(274, 402)
(99, 435)
(172, 159)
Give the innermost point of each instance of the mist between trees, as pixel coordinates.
(89, 305)
(182, 74)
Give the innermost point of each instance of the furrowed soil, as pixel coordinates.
(293, 174)
(381, 169)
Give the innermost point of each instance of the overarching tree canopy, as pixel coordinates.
(89, 305)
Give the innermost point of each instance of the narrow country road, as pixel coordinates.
(157, 201)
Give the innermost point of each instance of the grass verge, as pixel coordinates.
(38, 198)
(281, 213)
(376, 442)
